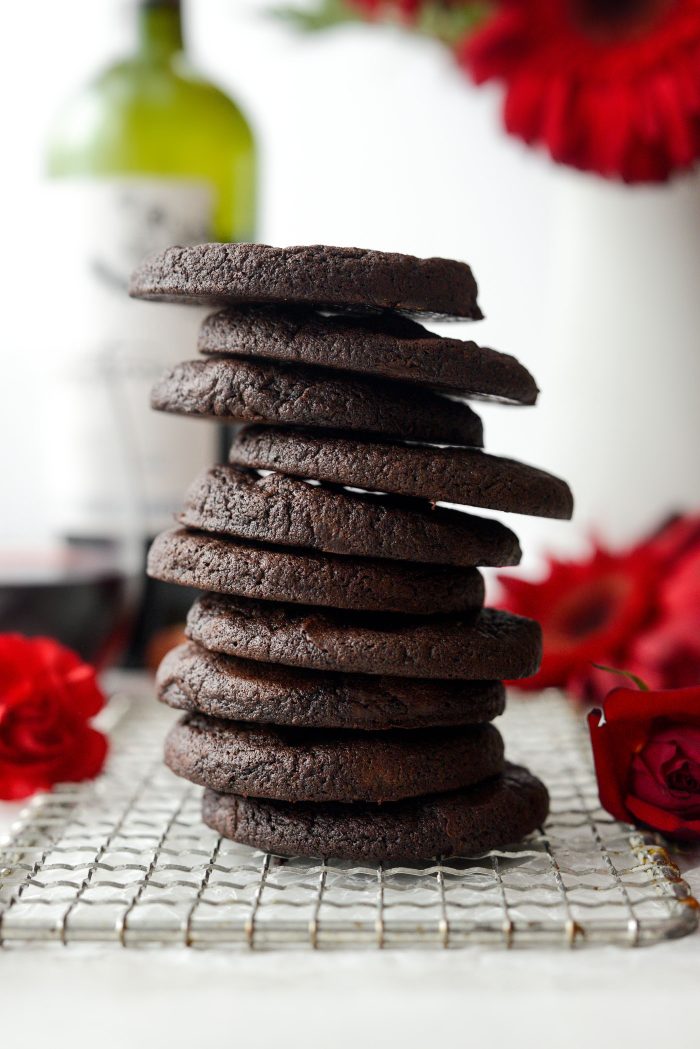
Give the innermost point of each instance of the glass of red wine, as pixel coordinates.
(80, 593)
(71, 564)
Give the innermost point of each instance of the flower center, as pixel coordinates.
(683, 780)
(615, 19)
(585, 610)
(589, 617)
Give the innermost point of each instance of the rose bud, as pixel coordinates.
(646, 748)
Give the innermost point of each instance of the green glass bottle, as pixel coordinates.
(147, 155)
(151, 115)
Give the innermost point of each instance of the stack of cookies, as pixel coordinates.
(342, 675)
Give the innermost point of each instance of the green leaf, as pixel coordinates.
(451, 24)
(325, 15)
(445, 22)
(641, 685)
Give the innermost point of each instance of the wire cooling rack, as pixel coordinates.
(126, 860)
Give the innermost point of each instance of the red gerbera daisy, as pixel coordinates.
(667, 654)
(611, 86)
(588, 610)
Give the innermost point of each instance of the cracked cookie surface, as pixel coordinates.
(291, 395)
(454, 475)
(308, 275)
(493, 646)
(274, 573)
(293, 764)
(229, 500)
(385, 345)
(194, 679)
(466, 823)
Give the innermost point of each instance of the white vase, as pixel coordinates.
(621, 402)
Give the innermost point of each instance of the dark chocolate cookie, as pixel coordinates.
(496, 646)
(388, 345)
(309, 275)
(273, 573)
(465, 823)
(191, 678)
(228, 500)
(249, 391)
(288, 764)
(454, 475)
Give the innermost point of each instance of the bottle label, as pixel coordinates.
(117, 463)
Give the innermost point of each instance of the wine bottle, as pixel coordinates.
(149, 154)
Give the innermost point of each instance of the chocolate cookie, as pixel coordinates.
(388, 345)
(191, 678)
(310, 275)
(496, 646)
(454, 475)
(295, 765)
(249, 391)
(465, 823)
(228, 500)
(228, 566)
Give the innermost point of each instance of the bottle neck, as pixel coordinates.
(159, 29)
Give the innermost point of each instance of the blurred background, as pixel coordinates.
(363, 135)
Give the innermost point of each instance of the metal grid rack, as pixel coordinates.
(125, 860)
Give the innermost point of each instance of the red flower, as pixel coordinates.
(646, 748)
(667, 655)
(47, 696)
(639, 609)
(588, 610)
(612, 88)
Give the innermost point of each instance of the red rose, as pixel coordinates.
(47, 696)
(646, 747)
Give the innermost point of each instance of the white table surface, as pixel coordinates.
(173, 997)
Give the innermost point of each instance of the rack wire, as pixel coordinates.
(125, 860)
